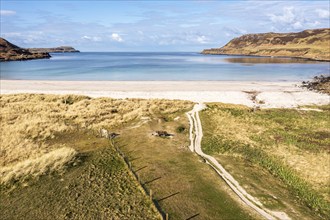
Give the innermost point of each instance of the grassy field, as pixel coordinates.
(57, 167)
(310, 44)
(54, 165)
(182, 184)
(280, 155)
(98, 186)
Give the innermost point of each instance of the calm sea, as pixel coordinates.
(161, 66)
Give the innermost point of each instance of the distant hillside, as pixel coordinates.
(310, 44)
(10, 52)
(62, 49)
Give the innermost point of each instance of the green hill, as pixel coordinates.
(310, 44)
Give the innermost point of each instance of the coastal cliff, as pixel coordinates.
(11, 52)
(62, 49)
(310, 44)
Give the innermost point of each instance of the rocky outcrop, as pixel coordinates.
(11, 52)
(162, 134)
(319, 83)
(62, 49)
(310, 44)
(107, 134)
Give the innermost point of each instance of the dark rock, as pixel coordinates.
(11, 52)
(319, 83)
(114, 111)
(161, 134)
(113, 135)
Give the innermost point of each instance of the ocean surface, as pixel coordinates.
(161, 66)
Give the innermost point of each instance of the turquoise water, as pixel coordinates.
(161, 66)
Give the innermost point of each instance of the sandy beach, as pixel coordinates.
(263, 94)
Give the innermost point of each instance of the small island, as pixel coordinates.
(62, 49)
(308, 44)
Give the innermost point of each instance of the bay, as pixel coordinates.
(161, 66)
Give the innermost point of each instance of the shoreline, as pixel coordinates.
(266, 56)
(250, 93)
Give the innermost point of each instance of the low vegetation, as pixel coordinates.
(59, 135)
(180, 129)
(292, 145)
(28, 122)
(55, 165)
(182, 184)
(99, 186)
(52, 161)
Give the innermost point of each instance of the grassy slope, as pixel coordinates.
(96, 184)
(98, 187)
(291, 145)
(182, 184)
(312, 44)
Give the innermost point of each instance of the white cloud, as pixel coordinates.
(323, 13)
(292, 19)
(86, 37)
(202, 39)
(95, 39)
(116, 37)
(297, 25)
(28, 38)
(7, 12)
(288, 16)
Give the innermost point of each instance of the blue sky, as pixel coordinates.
(152, 25)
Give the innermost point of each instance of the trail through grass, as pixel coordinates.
(262, 138)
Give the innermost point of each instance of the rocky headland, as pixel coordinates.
(309, 44)
(62, 49)
(11, 52)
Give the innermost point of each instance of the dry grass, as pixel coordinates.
(98, 187)
(183, 185)
(52, 161)
(311, 44)
(258, 129)
(28, 122)
(293, 145)
(52, 134)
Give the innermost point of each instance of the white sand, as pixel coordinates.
(273, 94)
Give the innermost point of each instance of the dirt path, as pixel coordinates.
(196, 134)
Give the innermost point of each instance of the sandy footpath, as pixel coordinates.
(267, 94)
(195, 136)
